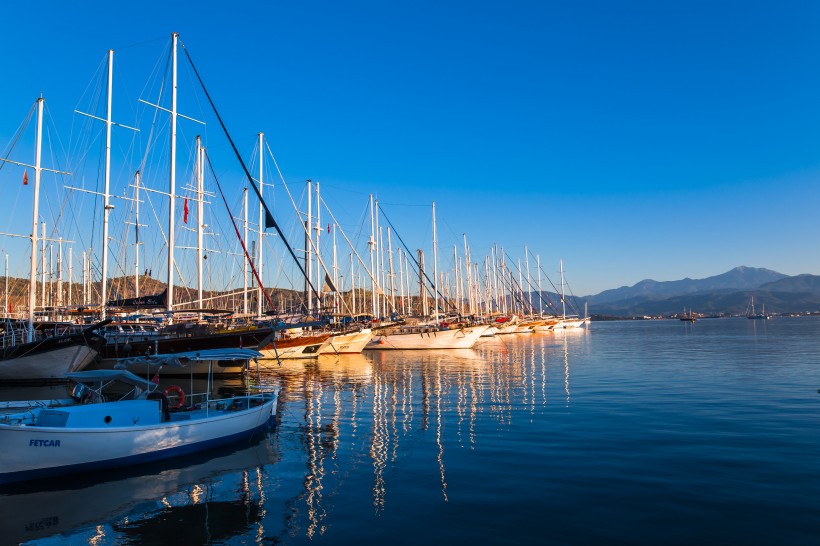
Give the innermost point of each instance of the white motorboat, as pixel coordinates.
(110, 426)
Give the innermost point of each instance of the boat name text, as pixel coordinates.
(44, 443)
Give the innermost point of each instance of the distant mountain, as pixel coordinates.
(739, 278)
(798, 283)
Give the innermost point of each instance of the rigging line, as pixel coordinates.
(305, 228)
(239, 235)
(555, 307)
(269, 220)
(418, 266)
(7, 152)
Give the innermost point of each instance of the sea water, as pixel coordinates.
(639, 432)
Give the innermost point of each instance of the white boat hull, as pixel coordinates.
(463, 338)
(50, 365)
(351, 343)
(32, 452)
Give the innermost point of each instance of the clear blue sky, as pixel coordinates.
(634, 139)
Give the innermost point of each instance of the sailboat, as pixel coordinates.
(24, 354)
(751, 314)
(688, 317)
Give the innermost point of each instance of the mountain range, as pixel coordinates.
(727, 294)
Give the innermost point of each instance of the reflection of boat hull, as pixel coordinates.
(37, 512)
(463, 338)
(32, 452)
(351, 343)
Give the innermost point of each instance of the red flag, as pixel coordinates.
(185, 211)
(328, 228)
(155, 379)
(25, 178)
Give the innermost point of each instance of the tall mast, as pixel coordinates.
(335, 274)
(107, 184)
(390, 275)
(563, 303)
(136, 234)
(43, 265)
(200, 212)
(540, 299)
(372, 244)
(435, 265)
(173, 176)
(309, 247)
(352, 286)
(319, 263)
(260, 295)
(70, 274)
(32, 288)
(529, 284)
(244, 260)
(60, 272)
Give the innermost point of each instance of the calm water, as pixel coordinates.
(630, 432)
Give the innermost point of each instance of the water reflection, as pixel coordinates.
(351, 427)
(209, 498)
(400, 400)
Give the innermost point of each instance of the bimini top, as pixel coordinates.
(100, 376)
(179, 359)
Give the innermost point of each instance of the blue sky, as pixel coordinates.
(632, 139)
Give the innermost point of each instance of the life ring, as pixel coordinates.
(175, 392)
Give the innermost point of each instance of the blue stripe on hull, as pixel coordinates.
(40, 473)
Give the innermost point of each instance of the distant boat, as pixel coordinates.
(688, 317)
(750, 311)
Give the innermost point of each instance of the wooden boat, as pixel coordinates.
(294, 347)
(104, 429)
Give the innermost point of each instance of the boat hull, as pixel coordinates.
(34, 452)
(294, 348)
(351, 343)
(47, 365)
(463, 338)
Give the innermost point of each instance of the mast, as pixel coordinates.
(529, 284)
(107, 184)
(335, 275)
(372, 244)
(352, 285)
(245, 261)
(200, 211)
(172, 178)
(563, 303)
(260, 288)
(32, 290)
(60, 272)
(309, 247)
(540, 300)
(137, 233)
(435, 265)
(390, 274)
(43, 265)
(70, 274)
(319, 264)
